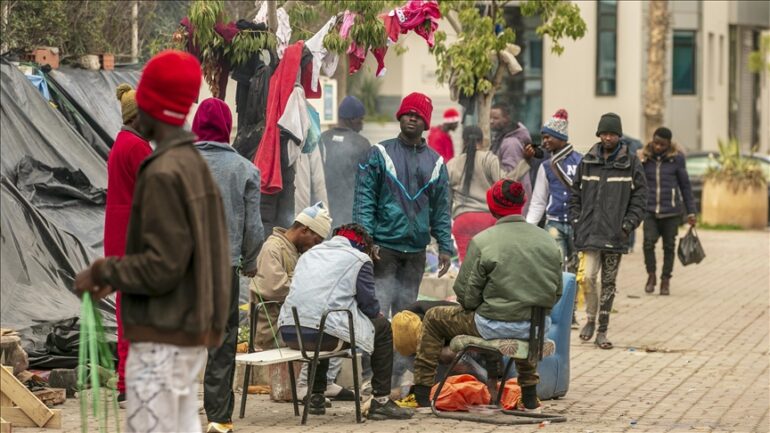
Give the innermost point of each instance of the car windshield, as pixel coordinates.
(697, 165)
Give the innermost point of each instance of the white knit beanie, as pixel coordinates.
(317, 219)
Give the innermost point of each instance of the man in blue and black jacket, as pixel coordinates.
(402, 199)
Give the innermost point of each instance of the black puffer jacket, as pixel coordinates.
(608, 200)
(668, 183)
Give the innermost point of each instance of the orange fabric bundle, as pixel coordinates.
(511, 394)
(459, 392)
(464, 390)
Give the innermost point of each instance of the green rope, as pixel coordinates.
(95, 359)
(267, 315)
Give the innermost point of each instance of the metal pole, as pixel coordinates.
(135, 32)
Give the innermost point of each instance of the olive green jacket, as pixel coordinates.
(509, 268)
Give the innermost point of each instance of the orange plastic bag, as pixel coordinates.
(459, 392)
(511, 394)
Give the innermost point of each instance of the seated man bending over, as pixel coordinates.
(508, 269)
(338, 274)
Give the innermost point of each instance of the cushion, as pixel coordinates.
(517, 349)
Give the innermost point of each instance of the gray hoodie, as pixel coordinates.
(238, 181)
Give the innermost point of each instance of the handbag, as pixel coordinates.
(690, 249)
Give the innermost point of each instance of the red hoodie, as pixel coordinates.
(213, 121)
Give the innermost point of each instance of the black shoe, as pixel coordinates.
(122, 400)
(422, 395)
(575, 324)
(317, 405)
(389, 410)
(345, 395)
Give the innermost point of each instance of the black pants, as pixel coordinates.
(398, 276)
(665, 228)
(218, 398)
(382, 358)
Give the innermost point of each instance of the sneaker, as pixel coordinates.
(216, 427)
(122, 400)
(521, 408)
(317, 404)
(389, 410)
(410, 401)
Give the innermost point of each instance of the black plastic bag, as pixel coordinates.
(690, 249)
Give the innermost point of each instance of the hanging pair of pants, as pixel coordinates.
(162, 388)
(218, 397)
(609, 264)
(655, 228)
(397, 277)
(439, 326)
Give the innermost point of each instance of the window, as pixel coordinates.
(606, 47)
(683, 74)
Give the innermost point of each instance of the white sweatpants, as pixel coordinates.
(162, 388)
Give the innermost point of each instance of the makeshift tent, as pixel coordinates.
(87, 99)
(53, 192)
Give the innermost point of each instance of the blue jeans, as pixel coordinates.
(563, 235)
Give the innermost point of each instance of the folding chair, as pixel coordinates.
(285, 354)
(533, 349)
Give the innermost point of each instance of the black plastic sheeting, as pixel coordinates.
(53, 190)
(92, 95)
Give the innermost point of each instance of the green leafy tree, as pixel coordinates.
(483, 53)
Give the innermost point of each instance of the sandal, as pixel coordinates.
(587, 333)
(602, 341)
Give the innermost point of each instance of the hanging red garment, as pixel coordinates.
(413, 16)
(268, 156)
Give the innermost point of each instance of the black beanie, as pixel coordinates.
(663, 133)
(610, 122)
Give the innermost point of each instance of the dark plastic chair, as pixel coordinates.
(312, 360)
(534, 353)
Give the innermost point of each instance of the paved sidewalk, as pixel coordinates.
(694, 361)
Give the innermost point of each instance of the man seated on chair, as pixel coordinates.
(508, 269)
(275, 267)
(338, 274)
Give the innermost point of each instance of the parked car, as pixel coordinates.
(699, 162)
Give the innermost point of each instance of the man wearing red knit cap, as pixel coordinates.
(508, 269)
(175, 275)
(401, 199)
(439, 138)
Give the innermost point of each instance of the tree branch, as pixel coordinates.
(454, 21)
(497, 80)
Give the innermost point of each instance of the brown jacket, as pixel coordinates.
(175, 276)
(275, 269)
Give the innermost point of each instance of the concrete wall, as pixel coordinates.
(569, 79)
(715, 73)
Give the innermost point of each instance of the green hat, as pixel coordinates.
(610, 122)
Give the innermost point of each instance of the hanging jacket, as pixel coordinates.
(310, 181)
(402, 197)
(268, 156)
(608, 199)
(551, 194)
(128, 152)
(668, 184)
(325, 279)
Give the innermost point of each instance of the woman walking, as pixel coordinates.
(471, 174)
(668, 186)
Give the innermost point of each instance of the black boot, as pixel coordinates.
(317, 404)
(665, 282)
(422, 395)
(651, 281)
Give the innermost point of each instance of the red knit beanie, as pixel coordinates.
(169, 85)
(417, 103)
(506, 197)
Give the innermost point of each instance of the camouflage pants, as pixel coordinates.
(439, 326)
